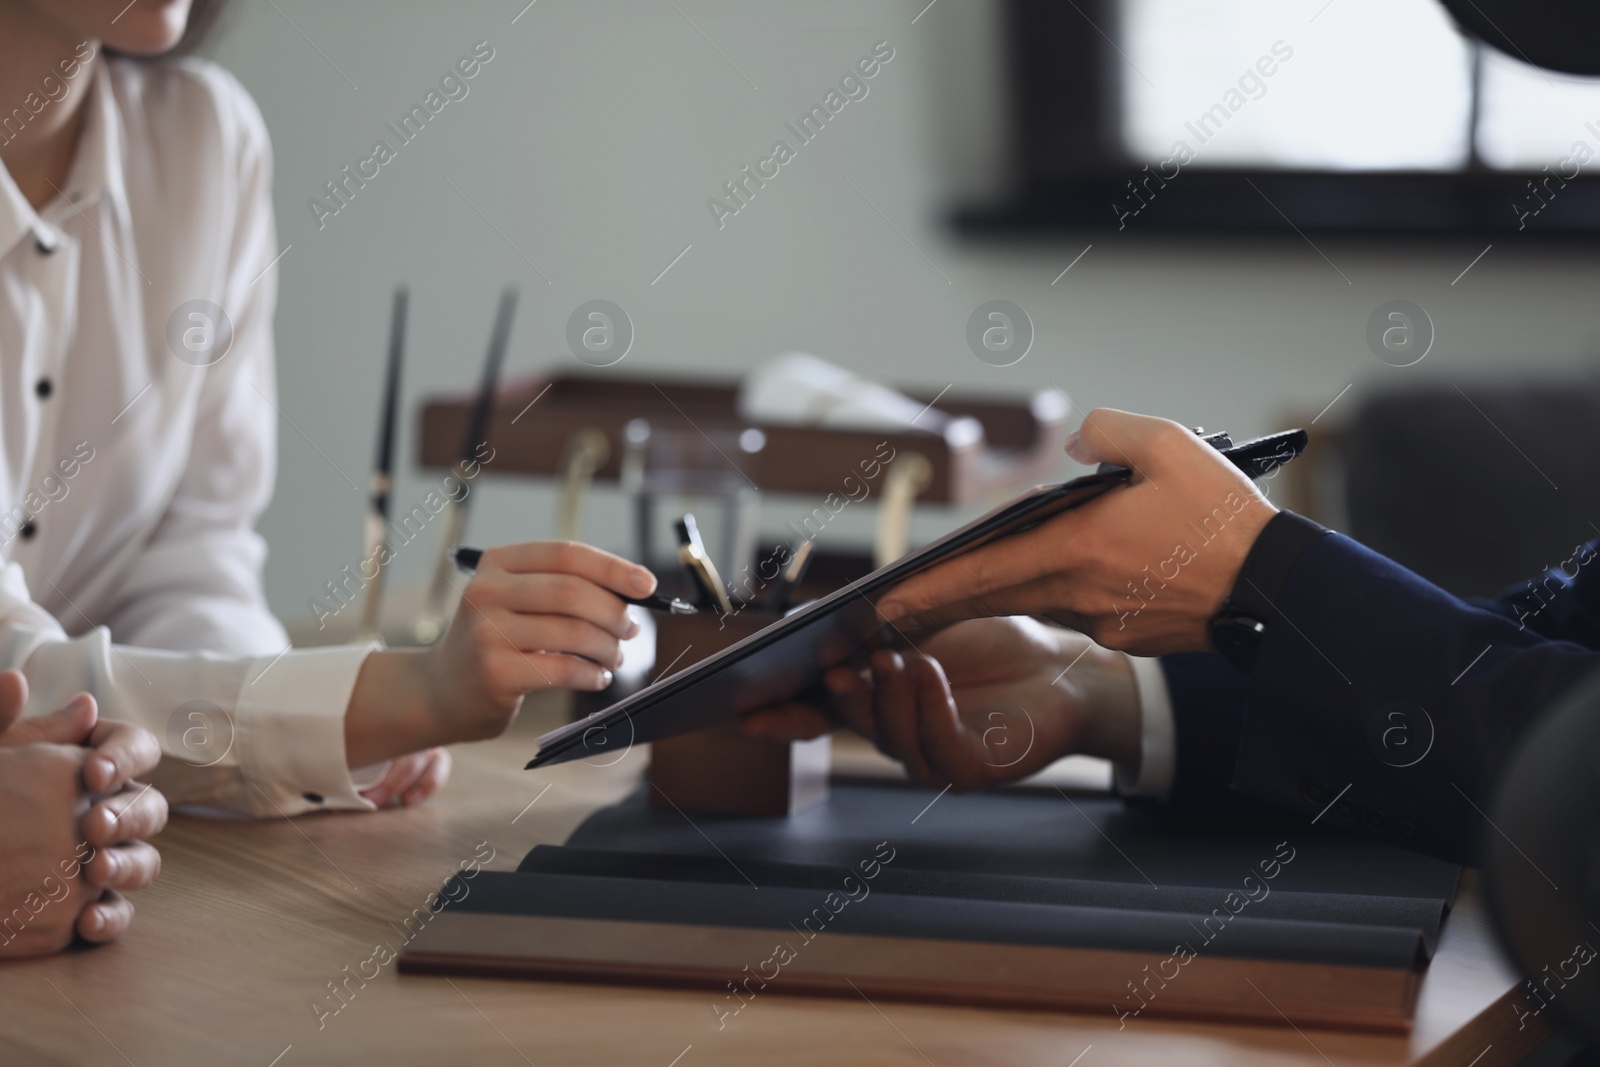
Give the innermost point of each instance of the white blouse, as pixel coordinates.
(137, 447)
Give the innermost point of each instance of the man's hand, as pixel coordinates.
(985, 702)
(1141, 568)
(539, 615)
(66, 851)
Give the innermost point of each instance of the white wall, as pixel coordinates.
(592, 141)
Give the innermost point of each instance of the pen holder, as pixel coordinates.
(722, 770)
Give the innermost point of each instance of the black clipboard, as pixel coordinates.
(789, 657)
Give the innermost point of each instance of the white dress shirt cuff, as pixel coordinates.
(1157, 741)
(290, 730)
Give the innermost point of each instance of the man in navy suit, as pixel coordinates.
(1297, 667)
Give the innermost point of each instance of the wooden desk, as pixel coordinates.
(251, 920)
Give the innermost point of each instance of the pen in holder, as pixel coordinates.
(722, 770)
(586, 452)
(430, 625)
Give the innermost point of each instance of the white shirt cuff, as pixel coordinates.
(290, 730)
(1157, 736)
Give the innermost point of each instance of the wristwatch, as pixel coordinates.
(1238, 629)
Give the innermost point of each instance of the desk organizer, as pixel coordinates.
(724, 771)
(1020, 444)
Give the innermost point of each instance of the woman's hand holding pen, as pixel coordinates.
(1140, 569)
(538, 615)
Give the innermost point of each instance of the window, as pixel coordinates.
(1532, 118)
(1369, 85)
(1340, 115)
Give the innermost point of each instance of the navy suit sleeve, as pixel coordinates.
(1350, 711)
(1380, 702)
(1208, 699)
(1563, 603)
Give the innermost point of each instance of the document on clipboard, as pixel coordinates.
(789, 657)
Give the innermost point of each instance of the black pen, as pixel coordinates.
(467, 560)
(1257, 458)
(376, 544)
(432, 623)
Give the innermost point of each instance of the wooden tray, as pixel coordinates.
(1021, 445)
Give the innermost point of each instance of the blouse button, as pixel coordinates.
(43, 388)
(29, 529)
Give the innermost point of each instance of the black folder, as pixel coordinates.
(785, 659)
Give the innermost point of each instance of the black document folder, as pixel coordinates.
(784, 659)
(1001, 899)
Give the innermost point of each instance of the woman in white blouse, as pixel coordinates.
(131, 477)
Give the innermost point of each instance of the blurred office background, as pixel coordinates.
(581, 161)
